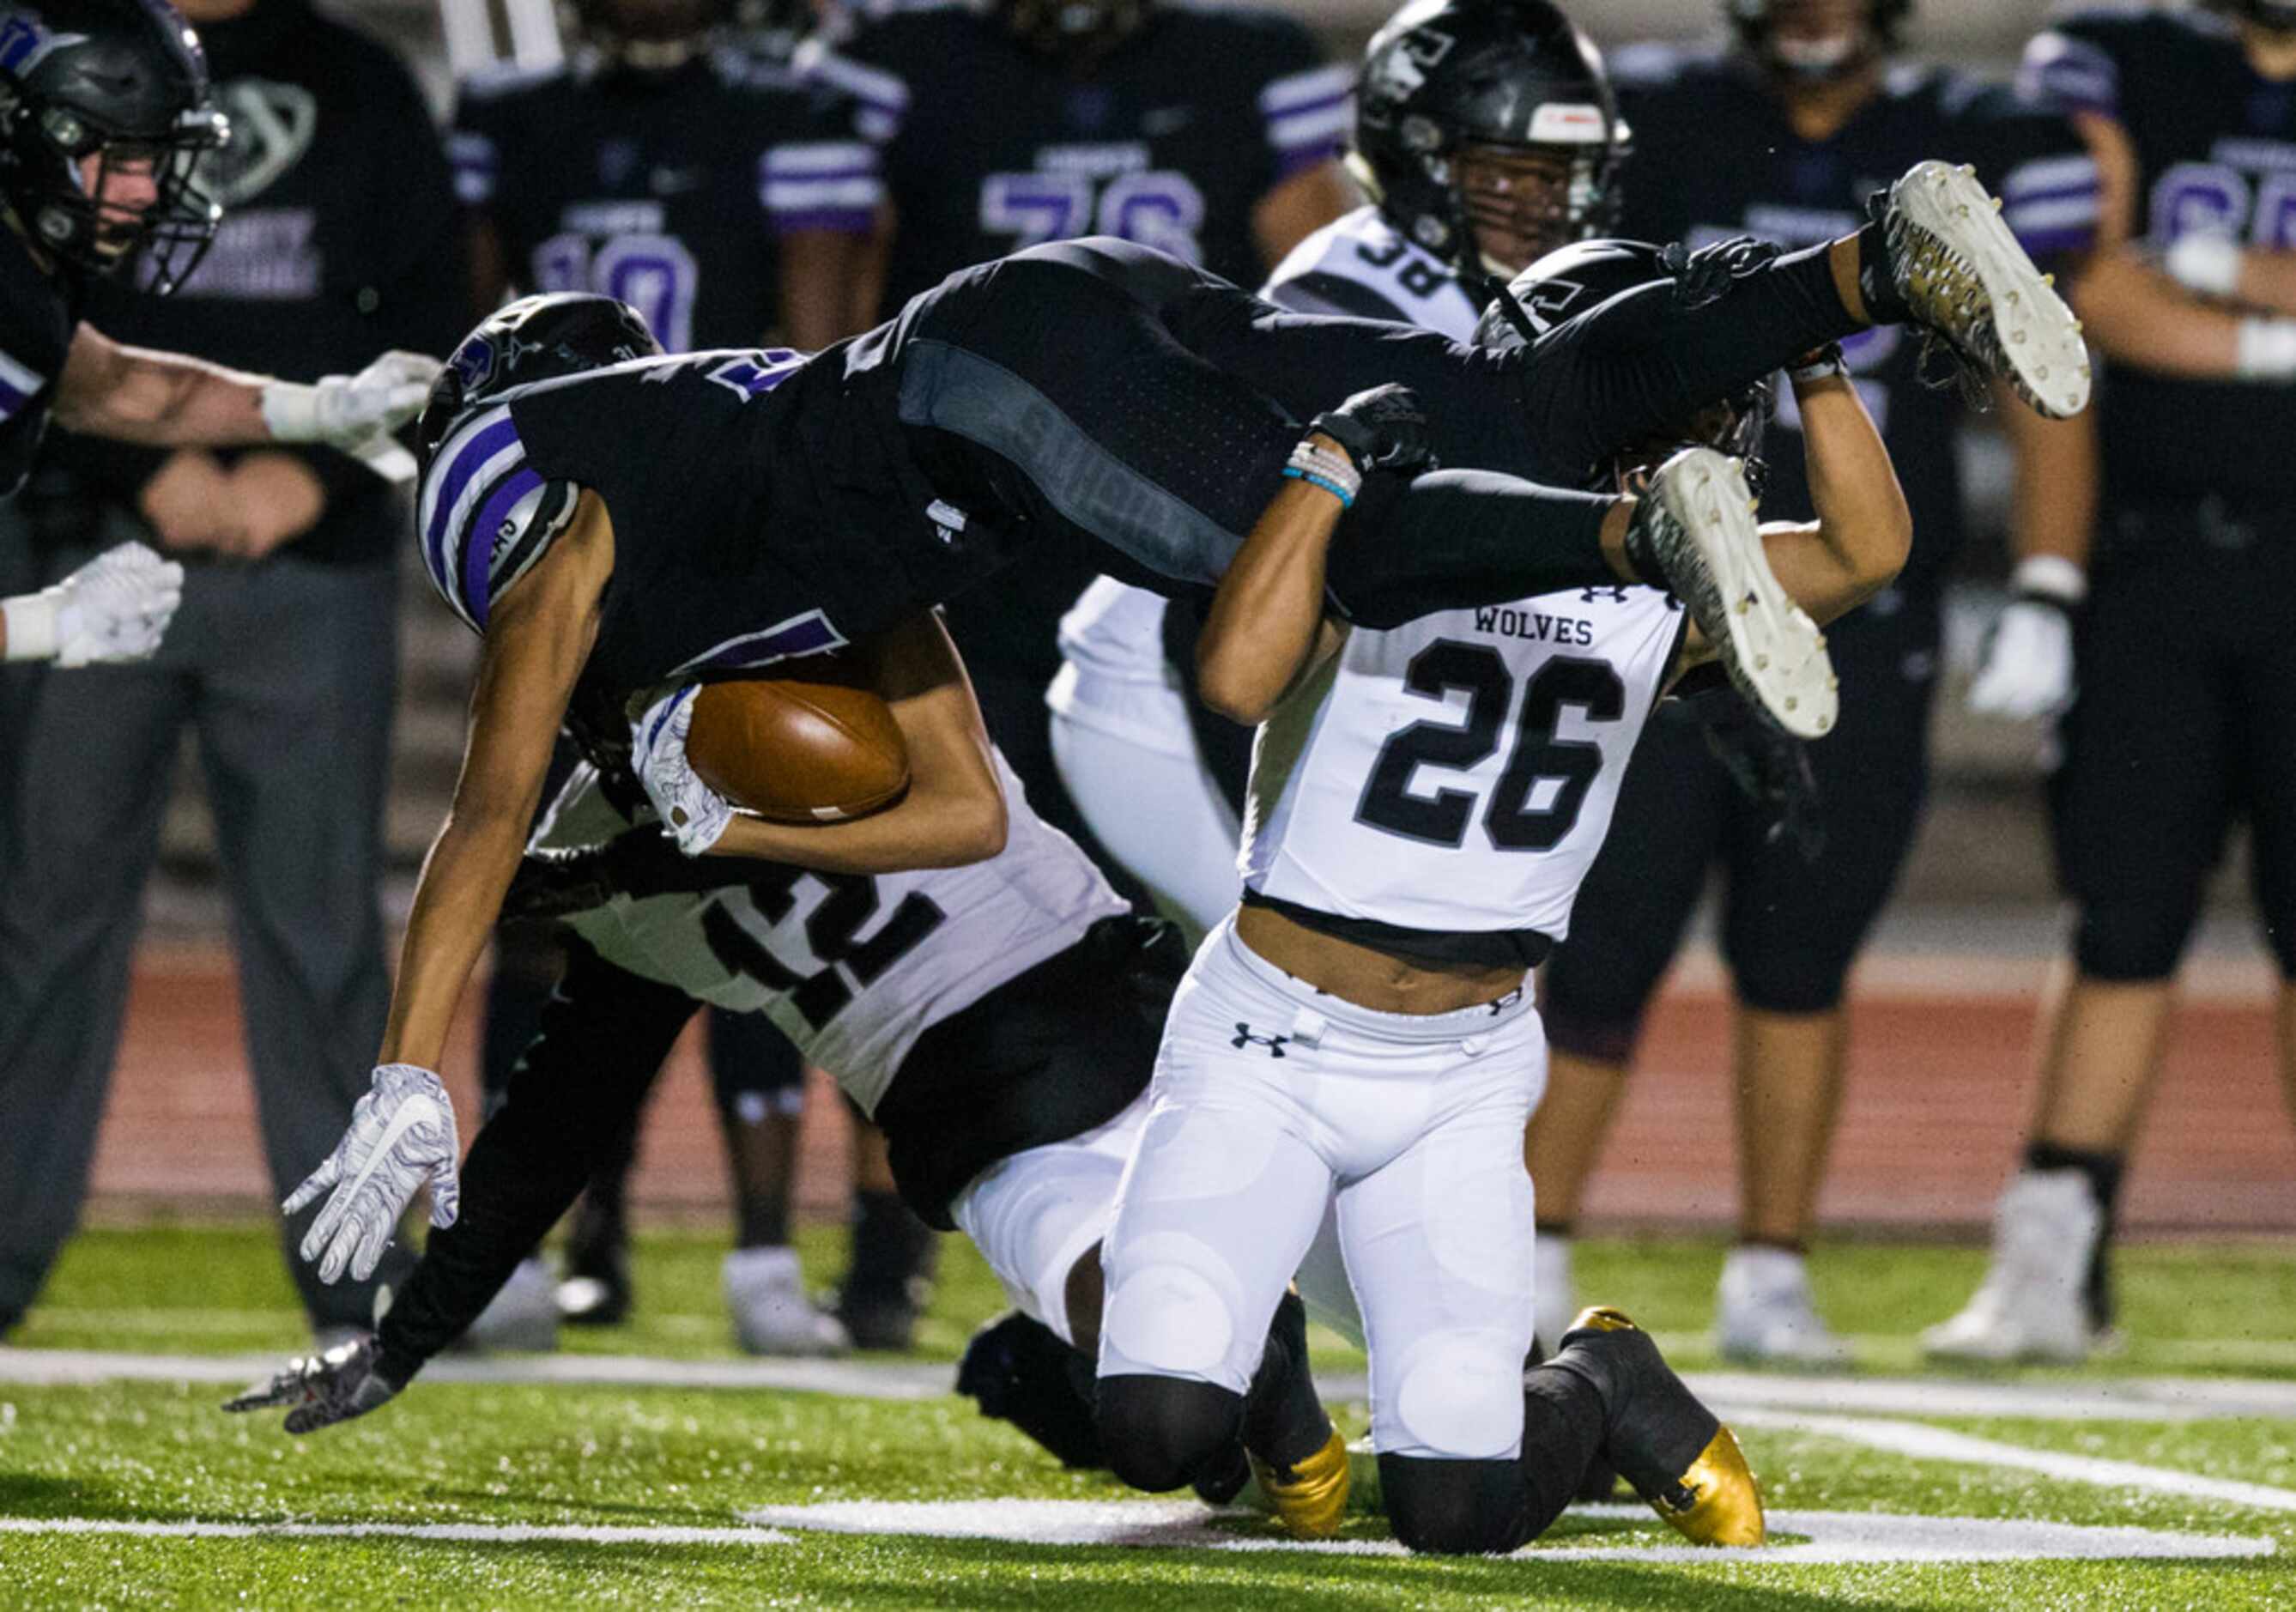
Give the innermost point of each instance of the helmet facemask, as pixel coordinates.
(1818, 41)
(1735, 426)
(1517, 203)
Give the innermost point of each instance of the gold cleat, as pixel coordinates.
(1715, 1500)
(1310, 1496)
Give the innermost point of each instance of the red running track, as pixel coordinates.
(1939, 1091)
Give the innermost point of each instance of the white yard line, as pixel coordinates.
(1736, 1394)
(1829, 1536)
(457, 1533)
(1938, 1444)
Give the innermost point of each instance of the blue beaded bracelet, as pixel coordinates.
(1329, 486)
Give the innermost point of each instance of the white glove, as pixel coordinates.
(2027, 668)
(402, 1135)
(692, 813)
(116, 608)
(356, 413)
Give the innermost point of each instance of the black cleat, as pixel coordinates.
(1018, 1370)
(596, 1291)
(1674, 1451)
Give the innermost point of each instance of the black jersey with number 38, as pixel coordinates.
(37, 313)
(2216, 152)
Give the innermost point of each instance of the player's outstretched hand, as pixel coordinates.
(356, 412)
(320, 1390)
(2026, 667)
(401, 1135)
(692, 813)
(114, 608)
(1383, 429)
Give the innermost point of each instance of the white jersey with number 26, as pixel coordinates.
(1457, 774)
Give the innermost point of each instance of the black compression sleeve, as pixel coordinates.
(575, 1092)
(1639, 366)
(1458, 538)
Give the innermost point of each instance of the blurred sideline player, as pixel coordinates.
(673, 165)
(1487, 136)
(1774, 136)
(1205, 132)
(1360, 1037)
(107, 120)
(2186, 672)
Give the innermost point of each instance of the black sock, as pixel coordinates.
(2102, 1172)
(1561, 1436)
(1284, 1421)
(1883, 305)
(893, 1250)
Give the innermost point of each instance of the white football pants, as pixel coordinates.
(1151, 803)
(1034, 1215)
(1271, 1101)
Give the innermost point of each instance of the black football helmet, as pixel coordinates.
(1444, 76)
(2279, 15)
(1826, 56)
(1565, 284)
(1070, 30)
(647, 36)
(537, 338)
(124, 83)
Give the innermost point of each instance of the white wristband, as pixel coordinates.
(291, 410)
(2053, 577)
(2208, 264)
(34, 630)
(2267, 350)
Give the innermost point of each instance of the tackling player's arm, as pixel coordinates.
(537, 636)
(1864, 530)
(164, 399)
(1267, 628)
(953, 811)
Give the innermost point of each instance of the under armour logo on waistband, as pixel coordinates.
(1244, 1038)
(1587, 595)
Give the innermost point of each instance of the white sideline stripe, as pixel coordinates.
(457, 1533)
(1938, 1444)
(1833, 1536)
(1739, 1395)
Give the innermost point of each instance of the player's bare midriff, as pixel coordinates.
(1367, 976)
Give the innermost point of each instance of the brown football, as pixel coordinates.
(810, 749)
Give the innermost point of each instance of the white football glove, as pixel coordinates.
(2027, 666)
(401, 1135)
(692, 813)
(116, 608)
(356, 413)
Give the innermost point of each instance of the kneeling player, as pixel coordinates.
(1424, 803)
(998, 1020)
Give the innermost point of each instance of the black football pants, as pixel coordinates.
(1107, 391)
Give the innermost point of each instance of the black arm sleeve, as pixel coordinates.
(1641, 364)
(575, 1091)
(1453, 538)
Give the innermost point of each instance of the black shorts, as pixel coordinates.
(1063, 1049)
(2185, 720)
(1790, 928)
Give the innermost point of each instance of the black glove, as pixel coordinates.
(1383, 429)
(323, 1389)
(1703, 276)
(1770, 766)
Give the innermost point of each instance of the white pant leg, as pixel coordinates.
(1225, 1191)
(1323, 1281)
(1438, 1243)
(1156, 811)
(1035, 1215)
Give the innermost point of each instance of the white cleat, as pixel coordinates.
(765, 1293)
(2032, 1305)
(1554, 1296)
(523, 1316)
(1698, 522)
(1763, 1314)
(1967, 279)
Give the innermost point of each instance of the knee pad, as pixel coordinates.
(1160, 1433)
(1453, 1507)
(1799, 979)
(1597, 1037)
(754, 1069)
(2132, 938)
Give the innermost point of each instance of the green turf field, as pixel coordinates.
(120, 1493)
